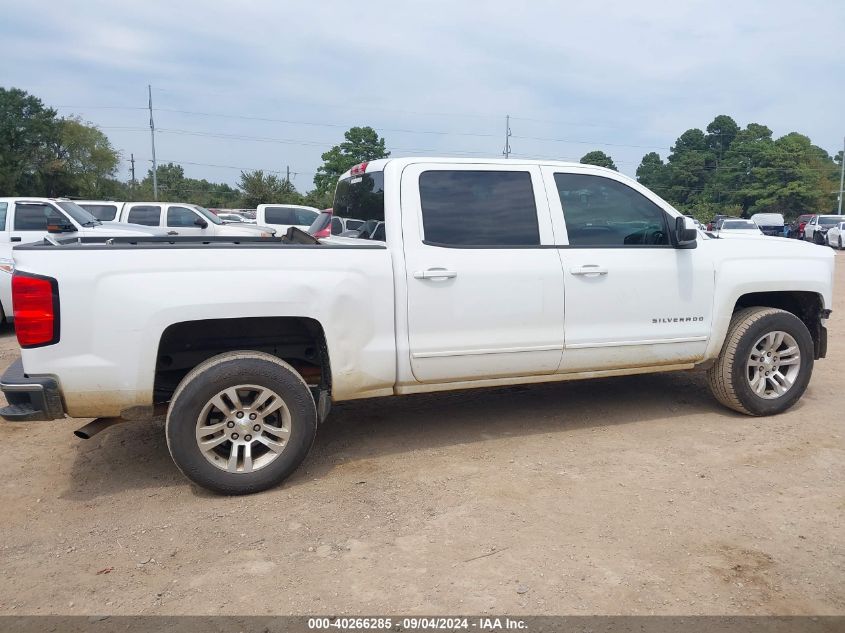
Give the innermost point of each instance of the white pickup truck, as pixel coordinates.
(492, 272)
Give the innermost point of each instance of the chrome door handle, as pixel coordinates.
(435, 274)
(588, 269)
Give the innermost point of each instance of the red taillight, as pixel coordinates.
(358, 169)
(36, 305)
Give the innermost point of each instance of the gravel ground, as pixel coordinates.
(636, 495)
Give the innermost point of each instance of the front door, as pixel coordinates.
(30, 221)
(485, 298)
(632, 299)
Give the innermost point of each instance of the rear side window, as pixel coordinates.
(286, 215)
(479, 208)
(103, 212)
(3, 207)
(601, 212)
(148, 215)
(181, 217)
(36, 217)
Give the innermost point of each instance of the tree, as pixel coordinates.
(598, 158)
(82, 163)
(651, 172)
(28, 130)
(361, 144)
(721, 132)
(260, 188)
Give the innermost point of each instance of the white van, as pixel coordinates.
(283, 216)
(26, 219)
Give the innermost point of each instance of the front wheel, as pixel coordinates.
(765, 364)
(240, 422)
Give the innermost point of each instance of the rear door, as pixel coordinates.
(632, 299)
(484, 284)
(143, 214)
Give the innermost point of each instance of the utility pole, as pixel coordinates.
(153, 141)
(841, 178)
(132, 169)
(507, 150)
(287, 174)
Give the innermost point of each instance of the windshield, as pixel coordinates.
(743, 226)
(208, 214)
(829, 221)
(79, 215)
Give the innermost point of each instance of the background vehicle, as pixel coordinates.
(230, 218)
(770, 223)
(817, 227)
(103, 210)
(836, 235)
(734, 227)
(796, 227)
(178, 218)
(492, 272)
(712, 224)
(327, 224)
(283, 216)
(24, 220)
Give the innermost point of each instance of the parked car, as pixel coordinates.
(836, 235)
(247, 343)
(230, 218)
(817, 227)
(29, 219)
(283, 216)
(712, 224)
(178, 218)
(327, 224)
(736, 227)
(770, 223)
(796, 227)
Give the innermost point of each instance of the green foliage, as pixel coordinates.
(742, 171)
(260, 188)
(28, 132)
(361, 144)
(598, 158)
(84, 161)
(173, 186)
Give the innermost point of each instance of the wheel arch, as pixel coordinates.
(299, 341)
(805, 304)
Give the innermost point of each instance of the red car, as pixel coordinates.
(796, 229)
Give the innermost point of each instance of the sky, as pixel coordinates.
(271, 85)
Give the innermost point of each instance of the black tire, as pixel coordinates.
(818, 239)
(840, 242)
(728, 377)
(222, 372)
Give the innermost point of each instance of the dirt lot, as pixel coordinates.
(630, 495)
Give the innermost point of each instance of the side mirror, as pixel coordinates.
(685, 233)
(60, 228)
(201, 223)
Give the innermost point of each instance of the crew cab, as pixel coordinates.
(25, 220)
(281, 217)
(490, 272)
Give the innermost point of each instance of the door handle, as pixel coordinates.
(588, 269)
(435, 274)
(14, 239)
(173, 232)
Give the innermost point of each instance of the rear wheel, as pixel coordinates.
(765, 363)
(840, 242)
(241, 422)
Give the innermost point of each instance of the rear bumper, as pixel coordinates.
(30, 399)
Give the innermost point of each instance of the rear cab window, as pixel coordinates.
(361, 196)
(103, 212)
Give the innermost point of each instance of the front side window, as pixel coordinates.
(148, 215)
(181, 217)
(36, 217)
(337, 226)
(479, 208)
(3, 207)
(601, 212)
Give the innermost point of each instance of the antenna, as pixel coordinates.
(507, 151)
